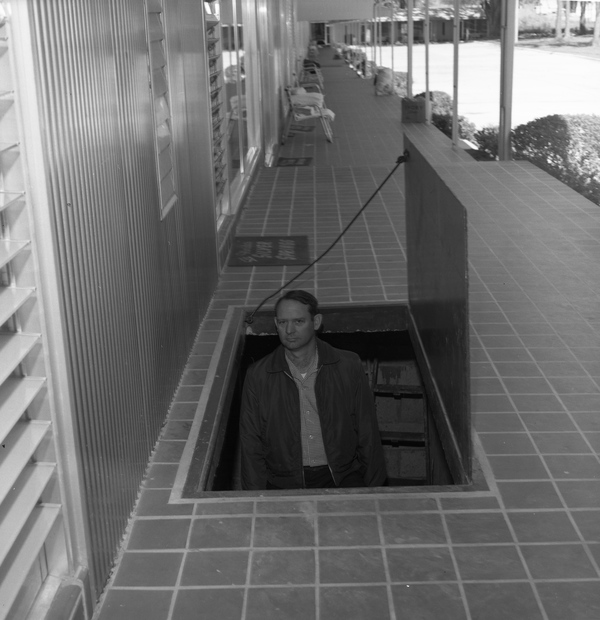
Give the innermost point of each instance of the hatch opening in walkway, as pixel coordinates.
(414, 452)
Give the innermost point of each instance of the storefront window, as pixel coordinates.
(235, 85)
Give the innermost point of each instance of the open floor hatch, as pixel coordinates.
(380, 335)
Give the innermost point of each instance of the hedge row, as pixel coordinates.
(565, 146)
(441, 115)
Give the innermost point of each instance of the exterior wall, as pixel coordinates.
(276, 58)
(132, 287)
(436, 238)
(124, 284)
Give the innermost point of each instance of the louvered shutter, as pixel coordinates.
(30, 512)
(165, 163)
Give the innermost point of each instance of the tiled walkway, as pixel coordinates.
(530, 548)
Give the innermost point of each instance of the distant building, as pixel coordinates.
(441, 27)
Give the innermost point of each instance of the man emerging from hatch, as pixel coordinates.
(308, 415)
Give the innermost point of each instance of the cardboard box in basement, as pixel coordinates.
(413, 110)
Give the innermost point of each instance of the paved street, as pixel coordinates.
(544, 82)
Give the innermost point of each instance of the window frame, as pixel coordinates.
(158, 70)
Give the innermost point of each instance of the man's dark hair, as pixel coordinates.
(304, 298)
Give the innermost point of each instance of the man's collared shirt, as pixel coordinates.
(313, 450)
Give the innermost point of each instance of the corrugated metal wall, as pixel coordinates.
(134, 288)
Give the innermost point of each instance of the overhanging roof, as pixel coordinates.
(327, 10)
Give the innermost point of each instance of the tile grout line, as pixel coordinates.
(366, 223)
(386, 567)
(177, 584)
(317, 559)
(250, 562)
(342, 240)
(519, 551)
(461, 587)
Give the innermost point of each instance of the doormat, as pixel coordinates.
(302, 128)
(294, 161)
(264, 251)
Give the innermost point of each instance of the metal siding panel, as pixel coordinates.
(131, 313)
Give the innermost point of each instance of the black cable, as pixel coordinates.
(402, 159)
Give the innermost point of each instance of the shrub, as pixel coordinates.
(370, 69)
(441, 115)
(534, 23)
(401, 83)
(466, 129)
(487, 140)
(565, 146)
(441, 102)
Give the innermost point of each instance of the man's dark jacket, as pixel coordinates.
(270, 421)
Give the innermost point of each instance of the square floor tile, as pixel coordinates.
(587, 421)
(281, 567)
(160, 476)
(346, 505)
(215, 568)
(281, 604)
(213, 533)
(405, 504)
(560, 442)
(497, 422)
(502, 601)
(429, 602)
(224, 508)
(570, 466)
(489, 562)
(527, 385)
(420, 564)
(529, 495)
(154, 503)
(570, 600)
(192, 393)
(581, 402)
(518, 467)
(351, 566)
(196, 376)
(541, 403)
(552, 422)
(491, 403)
(570, 385)
(175, 429)
(282, 507)
(221, 603)
(469, 503)
(543, 526)
(594, 440)
(185, 411)
(284, 532)
(518, 369)
(559, 561)
(129, 604)
(486, 385)
(478, 528)
(159, 534)
(580, 494)
(588, 522)
(348, 530)
(168, 451)
(412, 529)
(148, 569)
(354, 603)
(506, 443)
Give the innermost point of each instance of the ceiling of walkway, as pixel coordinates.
(326, 10)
